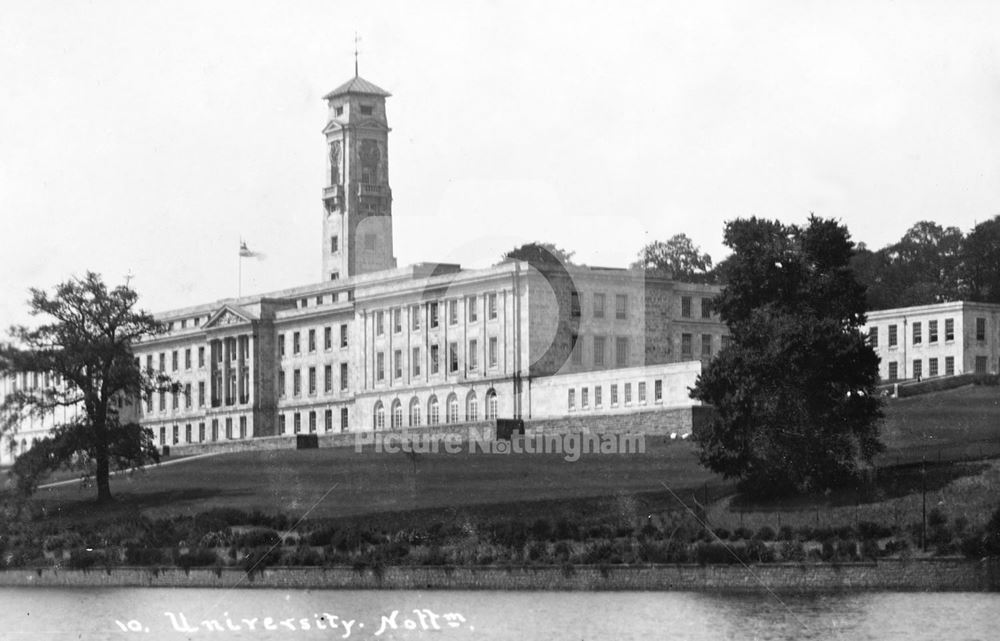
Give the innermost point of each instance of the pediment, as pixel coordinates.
(228, 315)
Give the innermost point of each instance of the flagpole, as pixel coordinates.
(239, 270)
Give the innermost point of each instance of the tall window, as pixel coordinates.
(453, 312)
(415, 362)
(343, 376)
(432, 312)
(471, 407)
(949, 329)
(628, 393)
(379, 416)
(932, 367)
(281, 382)
(452, 416)
(435, 358)
(312, 340)
(642, 392)
(343, 419)
(327, 338)
(491, 405)
(621, 351)
(379, 323)
(328, 420)
(706, 307)
(658, 390)
(173, 360)
(981, 364)
(473, 312)
(621, 306)
(281, 345)
(415, 318)
(597, 395)
(494, 352)
(571, 399)
(949, 365)
(576, 347)
(397, 365)
(201, 393)
(918, 368)
(397, 414)
(932, 331)
(380, 366)
(873, 336)
(893, 371)
(452, 357)
(599, 350)
(918, 333)
(706, 345)
(614, 395)
(585, 398)
(296, 347)
(343, 336)
(433, 411)
(414, 412)
(686, 306)
(397, 320)
(328, 378)
(574, 304)
(980, 329)
(686, 346)
(473, 356)
(491, 306)
(187, 358)
(201, 357)
(599, 305)
(892, 336)
(312, 380)
(297, 382)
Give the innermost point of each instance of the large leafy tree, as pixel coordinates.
(82, 352)
(538, 253)
(794, 391)
(677, 258)
(981, 262)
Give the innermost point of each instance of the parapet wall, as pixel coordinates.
(922, 575)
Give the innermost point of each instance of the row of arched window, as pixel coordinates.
(415, 416)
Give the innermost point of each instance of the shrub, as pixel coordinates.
(847, 550)
(870, 550)
(512, 534)
(721, 532)
(742, 533)
(258, 559)
(936, 518)
(793, 551)
(541, 530)
(765, 533)
(143, 556)
(786, 533)
(537, 551)
(649, 530)
(895, 546)
(303, 555)
(565, 529)
(756, 551)
(562, 551)
(257, 538)
(82, 559)
(715, 554)
(872, 530)
(196, 558)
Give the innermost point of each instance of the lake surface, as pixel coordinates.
(180, 613)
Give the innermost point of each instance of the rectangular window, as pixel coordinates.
(873, 336)
(726, 341)
(435, 359)
(281, 424)
(312, 380)
(892, 336)
(473, 312)
(201, 357)
(491, 306)
(163, 401)
(433, 314)
(415, 361)
(243, 427)
(597, 395)
(163, 360)
(415, 318)
(229, 428)
(296, 422)
(343, 419)
(379, 323)
(918, 333)
(397, 320)
(187, 396)
(599, 350)
(163, 436)
(494, 352)
(328, 420)
(397, 364)
(149, 362)
(918, 368)
(584, 398)
(642, 393)
(297, 382)
(187, 358)
(577, 349)
(949, 365)
(201, 393)
(173, 360)
(281, 345)
(380, 366)
(343, 336)
(201, 432)
(574, 304)
(187, 433)
(621, 351)
(327, 338)
(686, 351)
(932, 334)
(614, 395)
(312, 422)
(453, 357)
(175, 402)
(312, 340)
(473, 357)
(571, 400)
(215, 429)
(657, 391)
(334, 244)
(932, 367)
(628, 393)
(686, 306)
(621, 306)
(453, 312)
(599, 305)
(343, 376)
(706, 307)
(949, 329)
(980, 329)
(295, 343)
(328, 378)
(893, 371)
(981, 363)
(281, 383)
(177, 436)
(706, 345)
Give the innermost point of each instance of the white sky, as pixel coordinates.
(150, 136)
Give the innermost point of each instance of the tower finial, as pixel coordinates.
(356, 39)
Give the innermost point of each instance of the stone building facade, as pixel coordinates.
(943, 339)
(373, 346)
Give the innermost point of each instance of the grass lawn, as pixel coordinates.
(342, 484)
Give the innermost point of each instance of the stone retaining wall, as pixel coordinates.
(897, 575)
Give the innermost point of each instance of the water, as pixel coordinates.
(61, 613)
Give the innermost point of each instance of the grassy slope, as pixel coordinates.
(381, 487)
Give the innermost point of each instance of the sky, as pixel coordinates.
(143, 140)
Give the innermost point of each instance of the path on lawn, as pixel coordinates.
(193, 457)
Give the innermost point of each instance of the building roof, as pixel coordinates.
(357, 85)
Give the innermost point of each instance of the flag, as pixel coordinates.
(245, 252)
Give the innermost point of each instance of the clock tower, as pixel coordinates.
(357, 201)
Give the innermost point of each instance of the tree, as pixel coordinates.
(981, 262)
(678, 258)
(794, 391)
(538, 253)
(84, 352)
